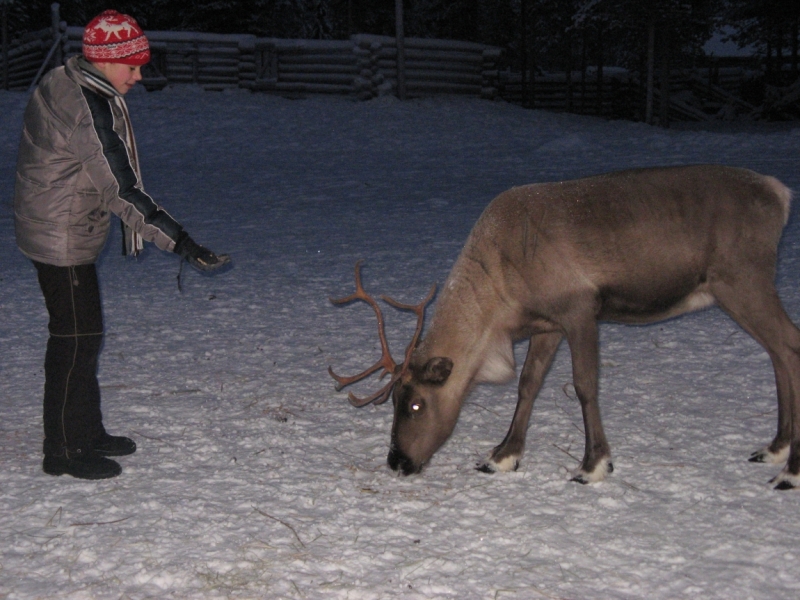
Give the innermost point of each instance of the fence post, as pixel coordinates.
(568, 100)
(55, 53)
(664, 71)
(600, 69)
(651, 42)
(401, 50)
(5, 44)
(55, 23)
(489, 74)
(195, 53)
(523, 51)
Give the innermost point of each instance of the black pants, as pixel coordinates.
(72, 417)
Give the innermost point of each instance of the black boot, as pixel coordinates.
(113, 445)
(82, 465)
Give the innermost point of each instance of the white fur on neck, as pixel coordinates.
(498, 364)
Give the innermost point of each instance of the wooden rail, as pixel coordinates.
(26, 57)
(365, 66)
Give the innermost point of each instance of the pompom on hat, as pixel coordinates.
(112, 37)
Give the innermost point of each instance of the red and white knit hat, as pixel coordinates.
(112, 37)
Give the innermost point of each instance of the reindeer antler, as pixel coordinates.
(386, 361)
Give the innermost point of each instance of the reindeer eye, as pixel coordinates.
(412, 407)
(415, 408)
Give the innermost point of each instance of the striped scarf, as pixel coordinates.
(132, 242)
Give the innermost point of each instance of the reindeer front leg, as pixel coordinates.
(541, 350)
(583, 343)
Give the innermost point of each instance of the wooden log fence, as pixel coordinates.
(26, 57)
(300, 66)
(364, 66)
(621, 95)
(612, 97)
(431, 66)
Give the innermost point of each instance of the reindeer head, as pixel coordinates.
(421, 422)
(423, 419)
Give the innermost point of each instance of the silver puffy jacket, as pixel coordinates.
(77, 163)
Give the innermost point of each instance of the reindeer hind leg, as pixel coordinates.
(754, 304)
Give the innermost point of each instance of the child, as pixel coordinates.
(77, 164)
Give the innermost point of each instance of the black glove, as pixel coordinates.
(197, 256)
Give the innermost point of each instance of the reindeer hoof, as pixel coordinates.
(601, 469)
(765, 455)
(503, 465)
(786, 481)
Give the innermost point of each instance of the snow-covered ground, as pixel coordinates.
(254, 478)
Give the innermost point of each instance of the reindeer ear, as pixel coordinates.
(437, 370)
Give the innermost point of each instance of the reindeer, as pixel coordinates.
(548, 261)
(112, 29)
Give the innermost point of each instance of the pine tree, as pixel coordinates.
(771, 26)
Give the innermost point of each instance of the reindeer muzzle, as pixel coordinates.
(399, 461)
